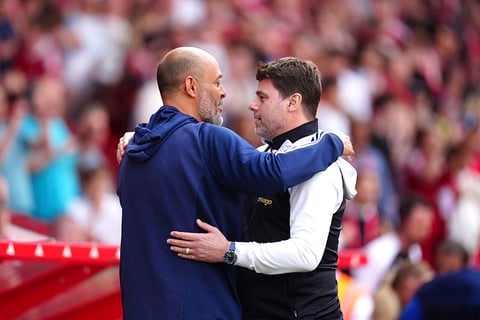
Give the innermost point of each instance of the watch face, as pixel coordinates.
(230, 257)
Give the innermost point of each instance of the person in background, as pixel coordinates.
(423, 174)
(289, 248)
(14, 148)
(451, 256)
(96, 214)
(409, 278)
(394, 295)
(387, 252)
(52, 157)
(361, 221)
(93, 133)
(371, 158)
(200, 168)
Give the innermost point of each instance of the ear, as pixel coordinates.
(295, 101)
(191, 86)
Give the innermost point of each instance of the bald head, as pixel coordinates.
(190, 79)
(179, 63)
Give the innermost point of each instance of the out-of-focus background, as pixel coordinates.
(402, 78)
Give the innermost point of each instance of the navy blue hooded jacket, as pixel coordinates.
(177, 169)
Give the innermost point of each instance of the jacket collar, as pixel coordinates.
(293, 135)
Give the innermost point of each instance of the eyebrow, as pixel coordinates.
(261, 93)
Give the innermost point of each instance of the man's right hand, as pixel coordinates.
(123, 143)
(348, 150)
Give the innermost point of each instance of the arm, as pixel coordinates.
(55, 142)
(239, 167)
(348, 150)
(311, 213)
(312, 205)
(41, 152)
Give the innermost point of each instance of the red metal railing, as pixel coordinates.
(65, 280)
(54, 280)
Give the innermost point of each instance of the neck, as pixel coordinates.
(298, 132)
(186, 107)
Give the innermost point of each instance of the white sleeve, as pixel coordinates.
(312, 205)
(380, 254)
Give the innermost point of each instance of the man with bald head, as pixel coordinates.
(189, 67)
(181, 166)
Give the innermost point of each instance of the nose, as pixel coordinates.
(253, 106)
(223, 92)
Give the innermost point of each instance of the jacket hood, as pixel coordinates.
(149, 137)
(349, 175)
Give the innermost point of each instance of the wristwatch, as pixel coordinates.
(230, 256)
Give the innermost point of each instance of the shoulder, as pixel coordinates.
(216, 136)
(211, 130)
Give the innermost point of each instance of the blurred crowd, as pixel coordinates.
(402, 78)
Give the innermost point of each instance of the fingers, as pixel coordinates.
(120, 150)
(187, 236)
(183, 244)
(348, 149)
(205, 226)
(122, 145)
(182, 249)
(119, 155)
(347, 145)
(187, 256)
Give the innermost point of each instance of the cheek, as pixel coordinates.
(276, 119)
(266, 110)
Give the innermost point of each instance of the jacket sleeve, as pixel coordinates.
(239, 166)
(311, 214)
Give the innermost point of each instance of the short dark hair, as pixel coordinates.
(408, 203)
(451, 247)
(293, 75)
